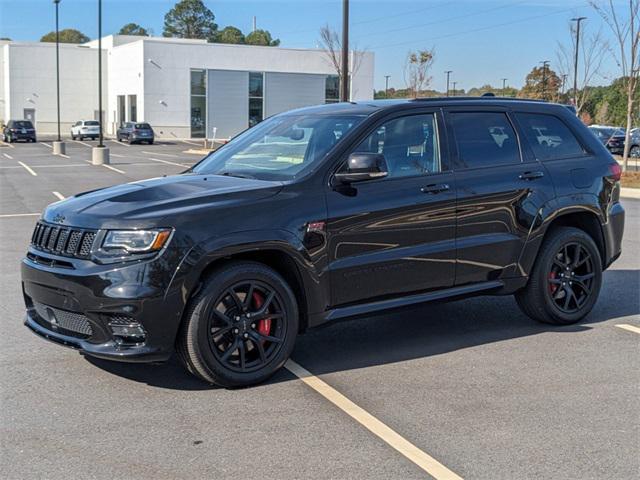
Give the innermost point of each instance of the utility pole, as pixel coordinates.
(100, 154)
(255, 23)
(454, 88)
(504, 86)
(344, 86)
(578, 20)
(448, 72)
(564, 79)
(545, 65)
(58, 146)
(386, 86)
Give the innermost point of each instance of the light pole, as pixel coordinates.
(545, 64)
(58, 145)
(454, 88)
(100, 154)
(448, 72)
(504, 87)
(386, 86)
(564, 80)
(344, 86)
(578, 20)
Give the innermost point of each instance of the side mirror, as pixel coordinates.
(363, 166)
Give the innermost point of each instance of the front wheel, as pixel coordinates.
(566, 278)
(241, 327)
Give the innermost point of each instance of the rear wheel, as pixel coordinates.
(635, 151)
(565, 280)
(241, 327)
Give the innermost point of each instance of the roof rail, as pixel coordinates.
(512, 99)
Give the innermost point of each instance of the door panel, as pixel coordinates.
(498, 194)
(396, 235)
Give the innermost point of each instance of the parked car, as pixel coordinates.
(134, 132)
(85, 129)
(19, 130)
(288, 227)
(611, 137)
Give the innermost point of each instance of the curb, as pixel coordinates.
(630, 192)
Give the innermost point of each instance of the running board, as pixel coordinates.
(393, 303)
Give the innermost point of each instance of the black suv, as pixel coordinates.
(19, 130)
(134, 132)
(324, 213)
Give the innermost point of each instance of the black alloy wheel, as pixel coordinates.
(240, 327)
(571, 277)
(565, 281)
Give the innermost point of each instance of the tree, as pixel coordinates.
(261, 37)
(592, 51)
(332, 47)
(6, 39)
(133, 29)
(416, 69)
(541, 83)
(68, 35)
(229, 35)
(190, 19)
(626, 33)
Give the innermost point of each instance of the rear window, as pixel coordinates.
(549, 137)
(91, 123)
(22, 124)
(484, 139)
(143, 126)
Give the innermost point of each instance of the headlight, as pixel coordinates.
(136, 241)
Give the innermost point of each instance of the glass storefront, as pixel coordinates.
(198, 103)
(256, 98)
(332, 89)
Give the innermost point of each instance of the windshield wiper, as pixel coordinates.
(237, 175)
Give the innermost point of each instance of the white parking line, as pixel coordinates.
(167, 162)
(46, 144)
(28, 168)
(423, 460)
(64, 165)
(62, 155)
(83, 143)
(161, 154)
(191, 143)
(59, 195)
(116, 155)
(10, 215)
(114, 169)
(631, 328)
(8, 156)
(120, 143)
(6, 144)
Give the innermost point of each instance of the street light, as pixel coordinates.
(100, 154)
(386, 86)
(58, 145)
(448, 72)
(454, 88)
(504, 86)
(578, 20)
(545, 65)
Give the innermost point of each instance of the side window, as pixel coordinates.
(548, 136)
(484, 139)
(409, 144)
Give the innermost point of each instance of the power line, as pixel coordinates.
(489, 27)
(411, 12)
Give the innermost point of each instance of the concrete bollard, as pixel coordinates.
(59, 148)
(100, 156)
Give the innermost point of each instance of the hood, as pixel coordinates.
(150, 203)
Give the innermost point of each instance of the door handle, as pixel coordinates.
(435, 188)
(531, 175)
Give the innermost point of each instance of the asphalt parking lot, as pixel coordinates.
(474, 386)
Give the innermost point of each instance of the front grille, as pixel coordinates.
(62, 319)
(73, 242)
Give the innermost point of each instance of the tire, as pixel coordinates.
(635, 151)
(73, 137)
(119, 138)
(150, 142)
(551, 298)
(204, 335)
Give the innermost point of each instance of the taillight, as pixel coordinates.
(615, 171)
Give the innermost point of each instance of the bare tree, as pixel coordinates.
(624, 23)
(592, 53)
(416, 70)
(332, 46)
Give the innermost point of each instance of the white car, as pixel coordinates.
(85, 129)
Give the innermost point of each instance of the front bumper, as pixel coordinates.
(98, 296)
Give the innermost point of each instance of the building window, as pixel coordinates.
(133, 108)
(198, 103)
(332, 89)
(256, 98)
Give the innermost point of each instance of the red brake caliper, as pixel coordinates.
(552, 286)
(264, 325)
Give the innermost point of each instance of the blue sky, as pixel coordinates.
(482, 41)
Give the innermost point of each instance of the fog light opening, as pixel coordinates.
(127, 335)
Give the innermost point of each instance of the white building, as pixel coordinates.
(183, 88)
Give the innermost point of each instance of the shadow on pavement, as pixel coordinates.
(418, 332)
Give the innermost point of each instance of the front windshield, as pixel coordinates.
(279, 148)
